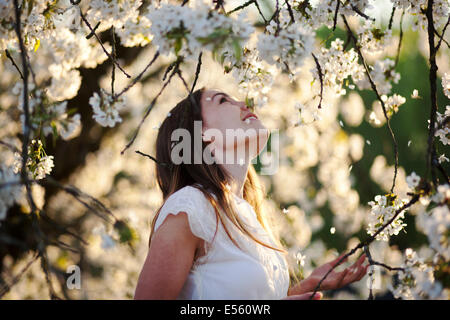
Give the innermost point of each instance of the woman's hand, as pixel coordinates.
(336, 280)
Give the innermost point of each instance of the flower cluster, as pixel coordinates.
(417, 281)
(337, 65)
(392, 103)
(417, 8)
(113, 13)
(286, 44)
(372, 39)
(39, 164)
(322, 12)
(106, 108)
(50, 117)
(383, 209)
(382, 74)
(435, 225)
(306, 114)
(444, 129)
(189, 29)
(255, 78)
(446, 84)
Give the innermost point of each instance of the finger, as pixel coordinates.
(342, 281)
(335, 261)
(351, 275)
(359, 261)
(360, 273)
(364, 271)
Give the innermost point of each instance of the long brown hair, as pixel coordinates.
(210, 179)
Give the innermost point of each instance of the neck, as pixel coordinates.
(238, 173)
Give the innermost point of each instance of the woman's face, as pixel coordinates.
(231, 125)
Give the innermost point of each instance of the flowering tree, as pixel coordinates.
(71, 191)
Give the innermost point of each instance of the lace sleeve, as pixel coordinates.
(201, 215)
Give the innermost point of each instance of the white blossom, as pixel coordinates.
(337, 66)
(39, 164)
(435, 224)
(106, 108)
(446, 84)
(286, 46)
(417, 280)
(372, 39)
(413, 180)
(383, 210)
(382, 74)
(189, 29)
(443, 158)
(445, 129)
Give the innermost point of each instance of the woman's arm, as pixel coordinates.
(169, 259)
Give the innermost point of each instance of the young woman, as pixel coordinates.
(210, 239)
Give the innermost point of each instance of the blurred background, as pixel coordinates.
(317, 198)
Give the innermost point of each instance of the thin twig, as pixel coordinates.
(374, 89)
(291, 14)
(197, 72)
(152, 158)
(391, 19)
(139, 76)
(79, 195)
(113, 54)
(338, 3)
(101, 44)
(260, 12)
(441, 37)
(319, 70)
(355, 9)
(150, 107)
(369, 256)
(240, 7)
(399, 41)
(433, 94)
(14, 63)
(9, 146)
(7, 286)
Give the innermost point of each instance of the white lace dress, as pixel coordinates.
(226, 272)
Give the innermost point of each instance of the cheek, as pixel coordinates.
(222, 119)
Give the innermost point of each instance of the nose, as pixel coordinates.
(243, 106)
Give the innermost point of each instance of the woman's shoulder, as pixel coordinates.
(199, 210)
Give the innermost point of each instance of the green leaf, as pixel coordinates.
(71, 111)
(249, 102)
(237, 49)
(126, 233)
(178, 45)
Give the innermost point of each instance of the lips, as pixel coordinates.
(249, 116)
